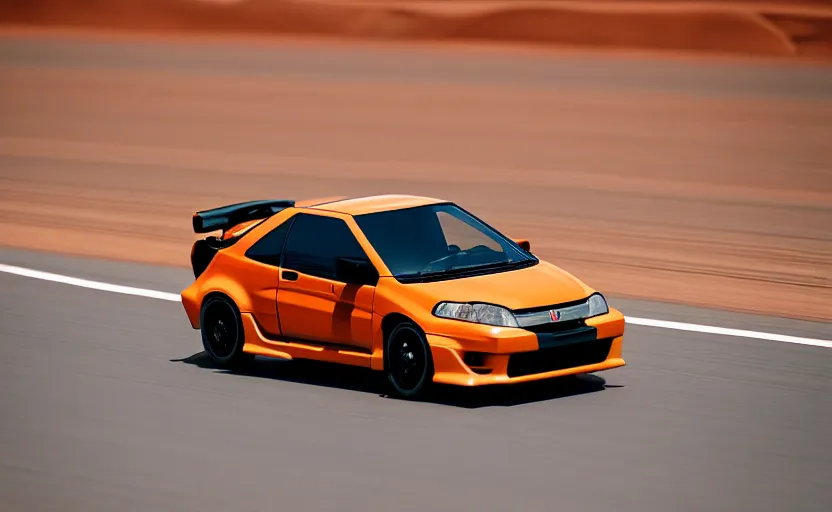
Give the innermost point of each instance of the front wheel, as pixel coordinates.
(222, 332)
(407, 361)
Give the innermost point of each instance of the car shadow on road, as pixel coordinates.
(367, 381)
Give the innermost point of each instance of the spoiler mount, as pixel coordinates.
(226, 217)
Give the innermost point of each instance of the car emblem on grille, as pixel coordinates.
(554, 314)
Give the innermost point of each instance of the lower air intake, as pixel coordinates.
(559, 358)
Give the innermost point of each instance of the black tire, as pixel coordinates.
(223, 336)
(408, 362)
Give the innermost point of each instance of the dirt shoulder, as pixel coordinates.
(789, 29)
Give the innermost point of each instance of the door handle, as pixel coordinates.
(289, 275)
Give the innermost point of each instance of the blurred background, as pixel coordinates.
(671, 150)
(671, 154)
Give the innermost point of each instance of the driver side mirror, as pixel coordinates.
(356, 271)
(524, 244)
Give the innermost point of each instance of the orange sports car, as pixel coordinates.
(415, 287)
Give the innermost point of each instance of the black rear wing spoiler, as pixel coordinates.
(226, 217)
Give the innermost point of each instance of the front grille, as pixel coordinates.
(544, 309)
(558, 358)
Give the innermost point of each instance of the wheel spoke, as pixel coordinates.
(408, 364)
(221, 328)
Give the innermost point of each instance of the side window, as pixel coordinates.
(316, 242)
(460, 233)
(267, 250)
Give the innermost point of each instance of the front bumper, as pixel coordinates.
(518, 355)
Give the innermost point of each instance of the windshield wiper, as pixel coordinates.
(412, 275)
(460, 271)
(487, 266)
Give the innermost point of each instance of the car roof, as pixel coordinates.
(373, 204)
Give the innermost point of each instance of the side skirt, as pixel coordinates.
(258, 343)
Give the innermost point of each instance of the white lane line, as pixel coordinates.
(709, 329)
(85, 283)
(173, 297)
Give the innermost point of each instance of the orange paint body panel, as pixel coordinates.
(318, 317)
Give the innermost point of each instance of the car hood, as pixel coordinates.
(543, 284)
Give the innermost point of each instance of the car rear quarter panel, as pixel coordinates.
(250, 284)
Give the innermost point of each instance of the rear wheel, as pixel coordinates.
(407, 361)
(222, 332)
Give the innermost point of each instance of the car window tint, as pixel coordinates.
(416, 240)
(267, 249)
(463, 235)
(405, 239)
(316, 242)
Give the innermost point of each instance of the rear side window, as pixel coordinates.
(268, 249)
(315, 243)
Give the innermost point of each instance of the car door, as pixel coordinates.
(312, 302)
(262, 279)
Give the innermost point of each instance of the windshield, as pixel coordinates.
(439, 241)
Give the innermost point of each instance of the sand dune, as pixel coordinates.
(786, 28)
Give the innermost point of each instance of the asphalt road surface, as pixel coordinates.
(108, 404)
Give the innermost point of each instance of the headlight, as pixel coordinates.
(597, 305)
(488, 314)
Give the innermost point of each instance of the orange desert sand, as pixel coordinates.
(787, 28)
(720, 201)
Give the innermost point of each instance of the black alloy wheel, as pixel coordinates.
(222, 331)
(408, 361)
